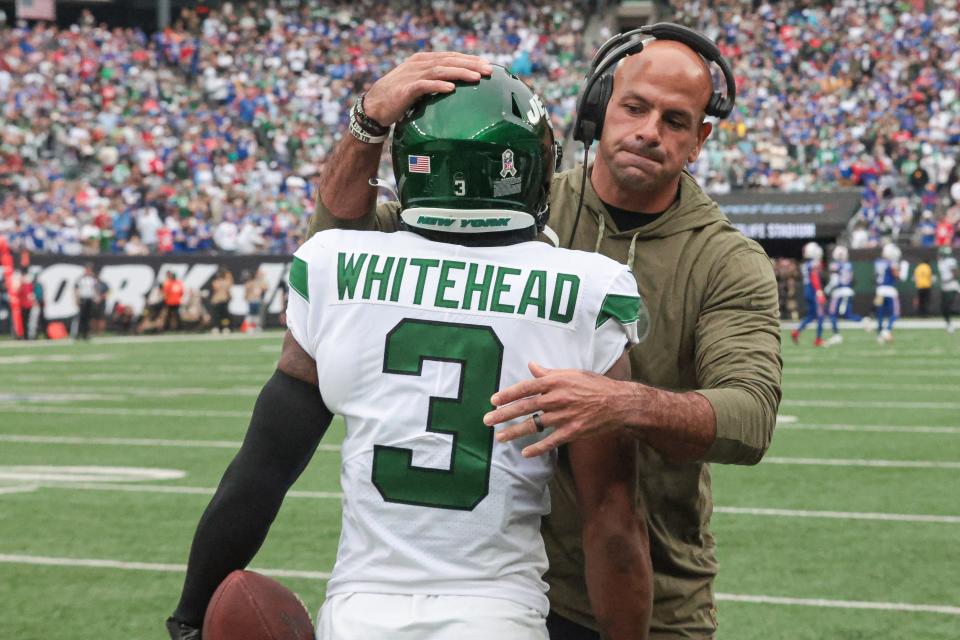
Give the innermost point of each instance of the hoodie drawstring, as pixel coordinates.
(631, 254)
(603, 228)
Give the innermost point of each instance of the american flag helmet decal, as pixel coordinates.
(418, 164)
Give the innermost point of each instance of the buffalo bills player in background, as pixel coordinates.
(811, 270)
(887, 298)
(840, 290)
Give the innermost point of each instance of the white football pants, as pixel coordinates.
(376, 616)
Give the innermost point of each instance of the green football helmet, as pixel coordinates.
(477, 160)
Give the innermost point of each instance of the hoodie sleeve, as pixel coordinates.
(382, 218)
(738, 356)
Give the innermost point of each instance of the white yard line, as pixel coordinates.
(275, 335)
(900, 373)
(235, 444)
(873, 386)
(853, 462)
(101, 563)
(930, 363)
(134, 442)
(841, 604)
(869, 428)
(121, 411)
(336, 495)
(60, 357)
(18, 488)
(174, 489)
(143, 392)
(871, 404)
(87, 377)
(837, 515)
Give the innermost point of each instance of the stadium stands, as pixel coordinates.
(208, 136)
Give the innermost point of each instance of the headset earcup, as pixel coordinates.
(719, 106)
(605, 90)
(585, 125)
(714, 104)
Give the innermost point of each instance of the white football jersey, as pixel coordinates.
(947, 266)
(411, 338)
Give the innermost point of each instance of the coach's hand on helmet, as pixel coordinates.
(420, 74)
(575, 404)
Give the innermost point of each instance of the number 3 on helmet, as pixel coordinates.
(477, 160)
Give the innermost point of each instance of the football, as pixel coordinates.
(251, 606)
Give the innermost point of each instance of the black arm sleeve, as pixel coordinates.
(288, 421)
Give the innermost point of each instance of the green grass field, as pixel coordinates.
(110, 450)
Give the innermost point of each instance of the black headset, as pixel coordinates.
(598, 86)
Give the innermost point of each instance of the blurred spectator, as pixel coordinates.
(172, 297)
(788, 276)
(193, 315)
(38, 319)
(86, 290)
(25, 295)
(944, 232)
(153, 317)
(220, 300)
(923, 280)
(98, 321)
(122, 318)
(135, 247)
(6, 321)
(254, 288)
(926, 230)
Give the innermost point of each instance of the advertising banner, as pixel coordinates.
(790, 216)
(130, 279)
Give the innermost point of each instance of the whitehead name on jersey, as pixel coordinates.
(411, 338)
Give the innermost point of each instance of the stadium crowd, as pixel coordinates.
(208, 136)
(851, 93)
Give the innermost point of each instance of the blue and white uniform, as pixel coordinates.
(812, 285)
(887, 299)
(841, 292)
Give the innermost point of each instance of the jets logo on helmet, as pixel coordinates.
(491, 156)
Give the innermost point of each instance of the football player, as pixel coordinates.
(408, 335)
(887, 298)
(949, 286)
(840, 290)
(812, 292)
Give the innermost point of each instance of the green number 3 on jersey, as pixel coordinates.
(479, 352)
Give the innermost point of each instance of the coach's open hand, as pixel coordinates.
(575, 404)
(422, 73)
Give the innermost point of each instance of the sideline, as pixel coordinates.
(272, 334)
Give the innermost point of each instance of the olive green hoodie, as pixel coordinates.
(712, 298)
